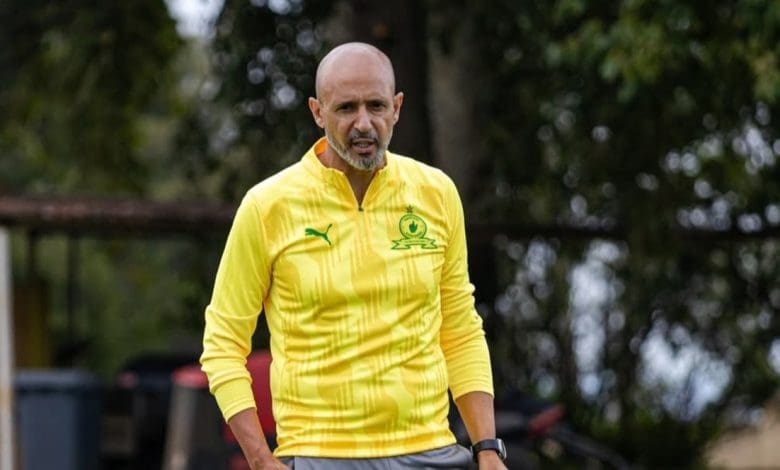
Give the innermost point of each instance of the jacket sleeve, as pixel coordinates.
(231, 317)
(462, 337)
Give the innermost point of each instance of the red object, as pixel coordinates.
(190, 377)
(542, 422)
(238, 462)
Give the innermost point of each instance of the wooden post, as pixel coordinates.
(7, 450)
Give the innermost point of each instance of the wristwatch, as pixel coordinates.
(496, 445)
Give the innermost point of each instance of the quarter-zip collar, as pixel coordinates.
(384, 179)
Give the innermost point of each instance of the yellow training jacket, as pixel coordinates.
(370, 309)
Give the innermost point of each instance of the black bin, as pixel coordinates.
(136, 408)
(58, 419)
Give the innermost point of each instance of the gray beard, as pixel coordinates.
(362, 164)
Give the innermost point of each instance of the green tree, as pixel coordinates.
(76, 75)
(263, 56)
(650, 124)
(88, 104)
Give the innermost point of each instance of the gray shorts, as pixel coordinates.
(454, 457)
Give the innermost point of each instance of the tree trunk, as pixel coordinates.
(398, 29)
(453, 81)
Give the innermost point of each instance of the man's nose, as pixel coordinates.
(363, 120)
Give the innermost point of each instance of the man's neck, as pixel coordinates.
(358, 179)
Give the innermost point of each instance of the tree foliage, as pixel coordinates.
(76, 75)
(263, 56)
(649, 119)
(86, 88)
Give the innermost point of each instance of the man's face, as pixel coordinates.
(357, 110)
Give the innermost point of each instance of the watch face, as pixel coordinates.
(501, 449)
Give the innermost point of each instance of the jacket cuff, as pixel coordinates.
(234, 396)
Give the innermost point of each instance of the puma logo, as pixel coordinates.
(310, 232)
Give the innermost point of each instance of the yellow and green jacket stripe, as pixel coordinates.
(370, 309)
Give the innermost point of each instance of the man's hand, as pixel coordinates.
(489, 460)
(268, 463)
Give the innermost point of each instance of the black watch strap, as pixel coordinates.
(496, 445)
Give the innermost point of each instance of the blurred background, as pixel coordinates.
(617, 161)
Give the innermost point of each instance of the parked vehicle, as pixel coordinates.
(537, 436)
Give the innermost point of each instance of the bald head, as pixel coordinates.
(356, 106)
(352, 56)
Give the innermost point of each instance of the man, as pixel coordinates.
(357, 256)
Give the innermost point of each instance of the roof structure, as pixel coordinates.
(148, 219)
(106, 217)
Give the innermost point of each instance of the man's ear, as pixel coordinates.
(316, 111)
(398, 100)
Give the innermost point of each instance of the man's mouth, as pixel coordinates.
(363, 144)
